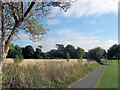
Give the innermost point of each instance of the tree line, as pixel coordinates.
(62, 52)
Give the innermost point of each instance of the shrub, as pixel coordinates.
(68, 57)
(18, 58)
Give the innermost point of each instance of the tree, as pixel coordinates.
(61, 51)
(19, 51)
(37, 54)
(104, 55)
(79, 53)
(43, 55)
(15, 52)
(11, 52)
(114, 52)
(53, 54)
(85, 55)
(18, 54)
(71, 50)
(28, 52)
(25, 16)
(60, 47)
(118, 53)
(96, 54)
(40, 46)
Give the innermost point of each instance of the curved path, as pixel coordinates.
(90, 80)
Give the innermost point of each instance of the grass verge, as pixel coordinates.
(109, 78)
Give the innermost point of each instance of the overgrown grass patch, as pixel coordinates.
(45, 74)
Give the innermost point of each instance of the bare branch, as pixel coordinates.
(28, 10)
(22, 6)
(14, 15)
(8, 28)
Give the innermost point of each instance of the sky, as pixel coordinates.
(87, 24)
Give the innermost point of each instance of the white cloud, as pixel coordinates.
(76, 39)
(97, 31)
(68, 36)
(107, 44)
(53, 21)
(86, 8)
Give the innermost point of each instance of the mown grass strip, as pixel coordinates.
(109, 78)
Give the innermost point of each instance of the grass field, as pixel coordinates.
(45, 74)
(109, 78)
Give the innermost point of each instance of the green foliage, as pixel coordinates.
(30, 15)
(16, 59)
(95, 54)
(18, 54)
(37, 54)
(15, 52)
(71, 50)
(28, 52)
(80, 53)
(11, 53)
(61, 51)
(114, 57)
(114, 52)
(53, 54)
(68, 57)
(43, 55)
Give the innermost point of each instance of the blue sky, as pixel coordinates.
(85, 24)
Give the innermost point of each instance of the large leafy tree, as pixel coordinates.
(79, 53)
(11, 52)
(61, 51)
(15, 50)
(71, 50)
(114, 52)
(27, 16)
(96, 54)
(37, 54)
(53, 54)
(28, 52)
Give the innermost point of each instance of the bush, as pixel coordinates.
(18, 58)
(68, 57)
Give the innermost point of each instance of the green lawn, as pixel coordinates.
(109, 78)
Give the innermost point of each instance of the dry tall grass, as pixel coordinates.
(45, 74)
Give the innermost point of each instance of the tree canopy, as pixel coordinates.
(28, 52)
(26, 16)
(96, 54)
(114, 52)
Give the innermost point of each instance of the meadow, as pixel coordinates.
(109, 78)
(45, 74)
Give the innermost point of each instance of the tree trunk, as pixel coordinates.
(3, 35)
(0, 30)
(5, 44)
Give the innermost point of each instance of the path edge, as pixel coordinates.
(100, 77)
(82, 78)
